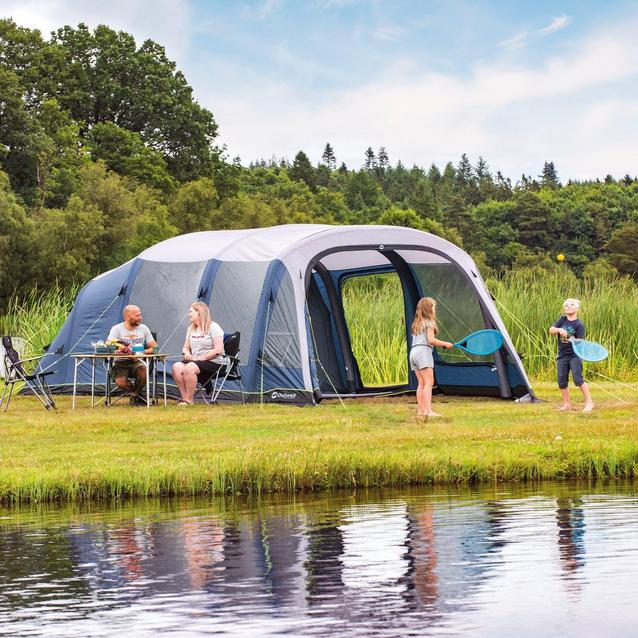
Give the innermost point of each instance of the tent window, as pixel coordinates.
(374, 312)
(458, 311)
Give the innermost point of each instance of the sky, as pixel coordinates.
(518, 83)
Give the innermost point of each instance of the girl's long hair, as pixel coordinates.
(204, 318)
(424, 316)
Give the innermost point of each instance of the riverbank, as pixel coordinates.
(125, 452)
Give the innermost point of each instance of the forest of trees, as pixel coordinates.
(104, 151)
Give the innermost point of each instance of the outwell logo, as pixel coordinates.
(283, 395)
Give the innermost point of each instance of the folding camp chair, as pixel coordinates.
(16, 373)
(213, 385)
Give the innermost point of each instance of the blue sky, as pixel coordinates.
(516, 82)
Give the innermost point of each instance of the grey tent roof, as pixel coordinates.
(298, 243)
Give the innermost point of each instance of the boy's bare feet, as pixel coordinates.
(431, 413)
(564, 408)
(588, 407)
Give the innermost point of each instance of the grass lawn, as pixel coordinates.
(119, 452)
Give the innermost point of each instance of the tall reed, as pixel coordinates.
(373, 307)
(529, 301)
(38, 316)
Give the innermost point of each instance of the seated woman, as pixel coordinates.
(203, 352)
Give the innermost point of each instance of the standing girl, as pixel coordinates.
(203, 352)
(424, 332)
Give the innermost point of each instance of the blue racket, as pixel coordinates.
(481, 343)
(589, 350)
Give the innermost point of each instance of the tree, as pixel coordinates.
(194, 206)
(434, 175)
(63, 256)
(244, 211)
(133, 216)
(384, 160)
(623, 249)
(302, 170)
(101, 76)
(421, 199)
(464, 173)
(371, 161)
(503, 187)
(532, 219)
(363, 193)
(17, 132)
(549, 176)
(58, 154)
(328, 157)
(124, 152)
(486, 187)
(16, 247)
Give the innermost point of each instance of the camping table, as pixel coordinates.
(109, 360)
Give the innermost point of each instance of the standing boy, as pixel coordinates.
(566, 327)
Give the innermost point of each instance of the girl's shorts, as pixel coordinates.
(421, 357)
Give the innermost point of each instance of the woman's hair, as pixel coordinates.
(204, 317)
(424, 316)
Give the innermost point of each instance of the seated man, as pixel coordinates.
(131, 332)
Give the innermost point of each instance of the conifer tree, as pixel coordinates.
(371, 160)
(302, 170)
(384, 160)
(328, 157)
(549, 176)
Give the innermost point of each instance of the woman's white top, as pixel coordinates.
(202, 343)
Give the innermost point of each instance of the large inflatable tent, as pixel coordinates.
(281, 287)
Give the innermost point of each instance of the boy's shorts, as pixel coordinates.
(564, 365)
(126, 368)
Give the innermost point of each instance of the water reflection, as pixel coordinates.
(480, 562)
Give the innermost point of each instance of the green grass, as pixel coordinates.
(121, 452)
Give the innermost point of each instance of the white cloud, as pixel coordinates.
(555, 25)
(523, 38)
(515, 117)
(516, 41)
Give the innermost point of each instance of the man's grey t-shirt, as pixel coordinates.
(139, 334)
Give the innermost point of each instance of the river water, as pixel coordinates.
(547, 560)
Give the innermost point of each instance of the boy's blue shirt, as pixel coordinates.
(574, 328)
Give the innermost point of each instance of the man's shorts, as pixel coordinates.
(126, 368)
(564, 365)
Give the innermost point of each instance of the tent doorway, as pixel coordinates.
(374, 313)
(359, 301)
